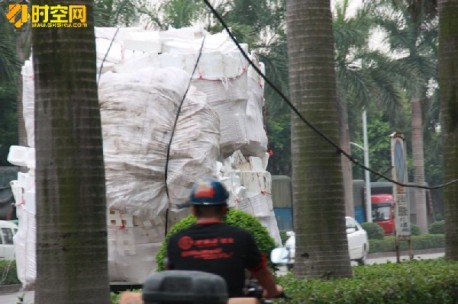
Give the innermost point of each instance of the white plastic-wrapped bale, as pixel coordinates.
(249, 185)
(233, 88)
(138, 112)
(28, 101)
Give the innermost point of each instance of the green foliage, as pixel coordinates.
(283, 236)
(413, 282)
(414, 229)
(279, 130)
(423, 241)
(114, 12)
(374, 231)
(115, 297)
(234, 217)
(181, 13)
(9, 65)
(437, 227)
(8, 273)
(8, 120)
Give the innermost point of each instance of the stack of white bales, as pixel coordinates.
(144, 76)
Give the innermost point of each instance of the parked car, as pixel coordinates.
(358, 245)
(7, 231)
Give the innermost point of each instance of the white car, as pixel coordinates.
(358, 245)
(7, 231)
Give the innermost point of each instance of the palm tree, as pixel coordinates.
(364, 76)
(412, 37)
(321, 248)
(448, 79)
(8, 61)
(72, 264)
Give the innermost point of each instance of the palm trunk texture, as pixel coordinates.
(70, 182)
(318, 193)
(448, 81)
(419, 164)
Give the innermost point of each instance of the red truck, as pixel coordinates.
(383, 212)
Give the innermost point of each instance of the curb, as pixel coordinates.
(6, 289)
(404, 253)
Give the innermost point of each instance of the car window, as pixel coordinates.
(350, 223)
(7, 235)
(1, 238)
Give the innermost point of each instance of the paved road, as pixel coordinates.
(13, 298)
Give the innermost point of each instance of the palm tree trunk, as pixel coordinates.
(448, 81)
(318, 193)
(419, 164)
(72, 262)
(347, 169)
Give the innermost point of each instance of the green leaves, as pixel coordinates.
(413, 282)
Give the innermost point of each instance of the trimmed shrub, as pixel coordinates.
(413, 282)
(374, 231)
(234, 217)
(437, 227)
(414, 229)
(8, 273)
(423, 241)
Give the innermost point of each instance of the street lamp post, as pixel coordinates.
(367, 173)
(366, 164)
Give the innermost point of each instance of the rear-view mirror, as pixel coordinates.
(351, 230)
(279, 255)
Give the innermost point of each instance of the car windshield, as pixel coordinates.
(381, 213)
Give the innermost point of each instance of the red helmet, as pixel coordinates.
(208, 191)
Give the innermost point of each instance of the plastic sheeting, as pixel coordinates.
(138, 111)
(249, 184)
(24, 194)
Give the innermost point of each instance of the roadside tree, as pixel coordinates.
(318, 198)
(448, 81)
(72, 264)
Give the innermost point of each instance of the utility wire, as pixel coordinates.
(169, 146)
(296, 111)
(178, 115)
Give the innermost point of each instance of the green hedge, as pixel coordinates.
(374, 231)
(423, 241)
(8, 273)
(414, 282)
(414, 229)
(437, 227)
(234, 217)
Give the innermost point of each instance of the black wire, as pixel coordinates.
(106, 55)
(174, 128)
(295, 110)
(118, 11)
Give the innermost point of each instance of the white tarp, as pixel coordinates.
(24, 194)
(138, 111)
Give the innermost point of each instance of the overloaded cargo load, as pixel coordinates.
(138, 111)
(232, 86)
(143, 78)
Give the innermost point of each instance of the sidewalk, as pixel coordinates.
(15, 297)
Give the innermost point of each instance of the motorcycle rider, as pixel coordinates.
(213, 246)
